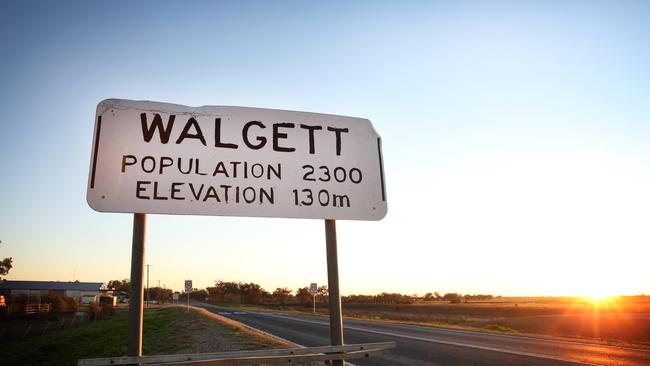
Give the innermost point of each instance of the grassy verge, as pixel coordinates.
(166, 331)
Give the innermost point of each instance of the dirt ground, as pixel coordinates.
(23, 328)
(211, 335)
(166, 330)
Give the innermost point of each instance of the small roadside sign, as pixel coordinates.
(175, 296)
(188, 290)
(313, 289)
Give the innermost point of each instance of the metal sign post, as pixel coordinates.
(313, 289)
(336, 315)
(188, 291)
(147, 294)
(134, 345)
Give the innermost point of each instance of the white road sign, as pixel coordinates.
(313, 289)
(150, 157)
(188, 286)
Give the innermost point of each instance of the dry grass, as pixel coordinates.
(167, 330)
(625, 320)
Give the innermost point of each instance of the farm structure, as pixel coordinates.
(84, 292)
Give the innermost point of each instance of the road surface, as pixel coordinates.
(421, 345)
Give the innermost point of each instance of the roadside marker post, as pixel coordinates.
(313, 289)
(188, 291)
(146, 292)
(150, 157)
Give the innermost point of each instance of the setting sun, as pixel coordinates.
(599, 298)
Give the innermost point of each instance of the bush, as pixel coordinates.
(500, 328)
(94, 311)
(107, 309)
(97, 311)
(73, 304)
(19, 300)
(58, 304)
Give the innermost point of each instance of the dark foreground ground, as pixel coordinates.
(166, 330)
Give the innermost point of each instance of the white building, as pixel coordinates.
(84, 292)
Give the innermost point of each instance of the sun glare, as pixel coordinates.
(598, 298)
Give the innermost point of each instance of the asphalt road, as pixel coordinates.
(420, 345)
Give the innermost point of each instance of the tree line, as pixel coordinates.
(254, 294)
(158, 294)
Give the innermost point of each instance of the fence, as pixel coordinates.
(290, 356)
(29, 309)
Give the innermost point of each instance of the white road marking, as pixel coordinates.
(493, 349)
(224, 313)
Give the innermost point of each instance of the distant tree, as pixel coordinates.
(428, 296)
(251, 293)
(224, 291)
(120, 285)
(281, 294)
(59, 303)
(304, 296)
(159, 294)
(266, 296)
(323, 294)
(214, 294)
(394, 298)
(236, 292)
(479, 297)
(5, 265)
(452, 297)
(199, 295)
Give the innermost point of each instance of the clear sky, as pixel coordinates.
(516, 139)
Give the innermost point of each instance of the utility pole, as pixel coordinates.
(147, 293)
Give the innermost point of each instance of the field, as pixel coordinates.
(615, 320)
(166, 331)
(623, 320)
